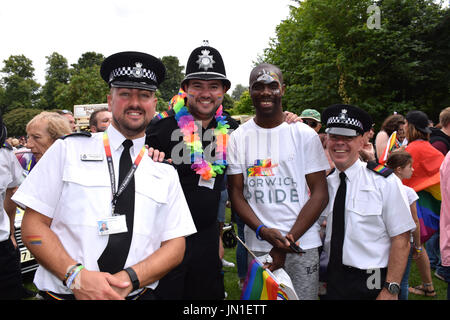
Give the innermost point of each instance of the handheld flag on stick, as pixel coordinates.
(391, 144)
(261, 284)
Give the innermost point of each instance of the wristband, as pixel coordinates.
(133, 277)
(418, 249)
(72, 277)
(258, 230)
(69, 272)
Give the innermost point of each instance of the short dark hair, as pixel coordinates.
(93, 118)
(392, 123)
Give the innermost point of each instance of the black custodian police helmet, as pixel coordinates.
(205, 63)
(135, 70)
(346, 120)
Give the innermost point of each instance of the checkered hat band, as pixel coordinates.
(347, 122)
(131, 72)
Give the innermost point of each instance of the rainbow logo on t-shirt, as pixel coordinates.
(261, 168)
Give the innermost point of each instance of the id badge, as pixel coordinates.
(112, 225)
(206, 183)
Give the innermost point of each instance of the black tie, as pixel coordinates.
(338, 227)
(115, 254)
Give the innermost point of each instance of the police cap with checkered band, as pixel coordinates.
(134, 70)
(206, 63)
(346, 120)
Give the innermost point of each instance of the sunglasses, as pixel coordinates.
(311, 123)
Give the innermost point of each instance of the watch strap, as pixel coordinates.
(133, 277)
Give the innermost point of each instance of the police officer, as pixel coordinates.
(368, 217)
(107, 179)
(197, 112)
(10, 178)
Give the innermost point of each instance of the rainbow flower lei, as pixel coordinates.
(186, 123)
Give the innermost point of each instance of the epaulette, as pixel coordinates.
(379, 169)
(78, 134)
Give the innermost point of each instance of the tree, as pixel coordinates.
(238, 91)
(19, 87)
(57, 73)
(328, 55)
(244, 105)
(174, 76)
(17, 119)
(85, 86)
(87, 60)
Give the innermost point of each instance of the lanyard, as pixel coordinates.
(112, 177)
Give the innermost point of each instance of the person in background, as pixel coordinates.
(11, 287)
(100, 120)
(43, 130)
(69, 116)
(312, 118)
(445, 222)
(401, 162)
(425, 181)
(395, 122)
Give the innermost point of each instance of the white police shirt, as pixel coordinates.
(376, 209)
(10, 177)
(76, 194)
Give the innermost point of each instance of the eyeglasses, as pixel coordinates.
(66, 112)
(311, 123)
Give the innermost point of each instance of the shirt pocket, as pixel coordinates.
(86, 193)
(365, 215)
(152, 192)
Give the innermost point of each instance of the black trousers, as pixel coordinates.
(10, 275)
(348, 283)
(199, 276)
(145, 294)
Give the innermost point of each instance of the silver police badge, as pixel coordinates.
(137, 71)
(205, 61)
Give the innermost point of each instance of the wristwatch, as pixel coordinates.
(392, 287)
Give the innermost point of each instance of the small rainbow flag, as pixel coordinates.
(260, 285)
(391, 145)
(35, 240)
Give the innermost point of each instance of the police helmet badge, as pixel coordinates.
(205, 61)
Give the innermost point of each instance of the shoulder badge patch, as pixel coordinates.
(379, 169)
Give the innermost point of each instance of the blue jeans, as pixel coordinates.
(403, 295)
(434, 254)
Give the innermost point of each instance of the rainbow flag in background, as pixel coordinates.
(260, 285)
(391, 145)
(428, 211)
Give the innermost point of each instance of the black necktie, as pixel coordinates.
(115, 254)
(338, 226)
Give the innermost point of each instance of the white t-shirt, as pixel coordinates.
(411, 194)
(10, 177)
(76, 194)
(274, 163)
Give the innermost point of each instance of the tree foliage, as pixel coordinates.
(329, 55)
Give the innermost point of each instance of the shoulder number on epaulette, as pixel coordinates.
(379, 169)
(78, 134)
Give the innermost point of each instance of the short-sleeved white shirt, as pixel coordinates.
(276, 192)
(376, 209)
(76, 194)
(10, 177)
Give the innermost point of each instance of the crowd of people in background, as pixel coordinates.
(336, 150)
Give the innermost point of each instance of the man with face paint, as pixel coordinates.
(272, 168)
(193, 133)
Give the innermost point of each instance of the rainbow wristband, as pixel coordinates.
(73, 276)
(258, 231)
